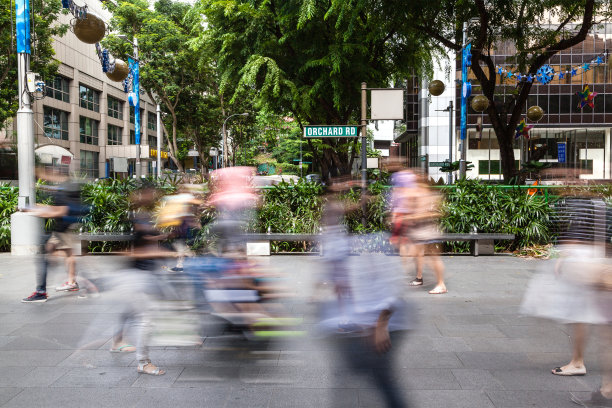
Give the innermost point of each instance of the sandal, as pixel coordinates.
(147, 367)
(569, 372)
(126, 348)
(416, 282)
(438, 291)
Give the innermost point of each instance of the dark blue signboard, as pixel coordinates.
(561, 151)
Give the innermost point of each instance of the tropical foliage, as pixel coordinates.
(474, 206)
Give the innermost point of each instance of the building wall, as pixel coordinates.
(81, 66)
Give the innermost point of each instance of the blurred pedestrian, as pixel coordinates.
(413, 213)
(136, 286)
(65, 215)
(368, 316)
(569, 293)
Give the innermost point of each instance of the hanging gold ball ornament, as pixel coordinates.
(90, 29)
(535, 113)
(120, 73)
(480, 103)
(436, 87)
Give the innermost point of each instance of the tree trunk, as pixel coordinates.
(506, 154)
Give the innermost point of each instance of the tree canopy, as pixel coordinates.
(537, 29)
(307, 59)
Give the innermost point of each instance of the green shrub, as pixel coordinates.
(8, 205)
(287, 168)
(473, 205)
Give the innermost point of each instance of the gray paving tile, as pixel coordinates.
(539, 331)
(10, 376)
(247, 396)
(469, 330)
(159, 381)
(537, 380)
(193, 376)
(76, 398)
(426, 379)
(42, 376)
(312, 398)
(187, 397)
(513, 399)
(449, 344)
(7, 393)
(32, 358)
(98, 377)
(501, 345)
(432, 399)
(428, 359)
(509, 361)
(475, 379)
(98, 358)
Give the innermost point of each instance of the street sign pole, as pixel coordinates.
(364, 154)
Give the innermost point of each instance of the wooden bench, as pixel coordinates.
(87, 237)
(480, 243)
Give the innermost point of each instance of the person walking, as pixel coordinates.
(65, 214)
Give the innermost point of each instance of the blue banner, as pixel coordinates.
(22, 23)
(561, 151)
(466, 91)
(134, 68)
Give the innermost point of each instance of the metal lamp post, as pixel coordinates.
(136, 73)
(225, 135)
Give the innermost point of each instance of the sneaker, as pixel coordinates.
(35, 297)
(68, 287)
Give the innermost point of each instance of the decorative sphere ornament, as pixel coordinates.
(480, 103)
(90, 29)
(535, 113)
(436, 87)
(545, 74)
(120, 73)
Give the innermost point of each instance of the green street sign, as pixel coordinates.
(331, 131)
(436, 164)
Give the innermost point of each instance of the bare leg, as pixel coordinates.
(437, 265)
(579, 340)
(606, 380)
(71, 267)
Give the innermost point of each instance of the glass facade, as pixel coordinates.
(89, 163)
(58, 88)
(152, 121)
(55, 123)
(115, 108)
(114, 135)
(88, 130)
(89, 98)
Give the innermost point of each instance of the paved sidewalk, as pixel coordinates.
(471, 349)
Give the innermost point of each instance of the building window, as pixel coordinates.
(89, 130)
(115, 108)
(152, 142)
(152, 121)
(58, 89)
(114, 135)
(89, 163)
(89, 98)
(133, 119)
(55, 123)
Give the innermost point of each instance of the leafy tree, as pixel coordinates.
(44, 27)
(306, 59)
(538, 30)
(168, 70)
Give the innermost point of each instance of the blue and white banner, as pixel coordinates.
(22, 20)
(135, 97)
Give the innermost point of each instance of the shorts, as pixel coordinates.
(62, 240)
